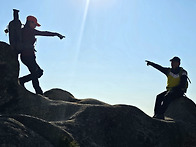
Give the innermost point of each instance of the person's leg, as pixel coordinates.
(36, 86)
(169, 97)
(36, 72)
(28, 62)
(35, 81)
(25, 79)
(158, 103)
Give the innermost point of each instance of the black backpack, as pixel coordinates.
(15, 32)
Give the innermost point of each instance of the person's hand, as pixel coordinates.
(148, 62)
(60, 36)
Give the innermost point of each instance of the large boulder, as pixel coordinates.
(9, 71)
(60, 119)
(182, 109)
(21, 130)
(14, 133)
(59, 94)
(121, 126)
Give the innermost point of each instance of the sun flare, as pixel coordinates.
(78, 47)
(95, 3)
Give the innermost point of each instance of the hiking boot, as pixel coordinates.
(39, 91)
(159, 116)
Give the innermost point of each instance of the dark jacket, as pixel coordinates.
(166, 70)
(28, 39)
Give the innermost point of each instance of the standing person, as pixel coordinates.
(176, 86)
(28, 53)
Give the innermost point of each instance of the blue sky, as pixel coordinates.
(106, 45)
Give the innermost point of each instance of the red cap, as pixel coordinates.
(32, 18)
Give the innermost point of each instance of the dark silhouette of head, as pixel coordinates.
(175, 62)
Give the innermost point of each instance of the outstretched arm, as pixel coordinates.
(158, 67)
(47, 33)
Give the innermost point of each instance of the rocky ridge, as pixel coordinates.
(60, 119)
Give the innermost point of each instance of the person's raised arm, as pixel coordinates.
(158, 67)
(47, 33)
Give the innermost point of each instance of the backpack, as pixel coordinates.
(15, 32)
(188, 80)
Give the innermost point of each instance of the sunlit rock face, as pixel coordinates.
(60, 119)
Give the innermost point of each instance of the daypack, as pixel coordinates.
(15, 32)
(187, 82)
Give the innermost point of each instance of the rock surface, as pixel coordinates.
(60, 119)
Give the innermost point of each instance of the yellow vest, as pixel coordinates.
(173, 80)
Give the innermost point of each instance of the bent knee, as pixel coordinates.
(39, 73)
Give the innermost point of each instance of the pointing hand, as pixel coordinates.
(60, 36)
(148, 62)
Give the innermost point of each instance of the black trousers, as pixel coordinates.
(35, 73)
(164, 99)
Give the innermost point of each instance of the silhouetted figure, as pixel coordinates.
(176, 86)
(28, 52)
